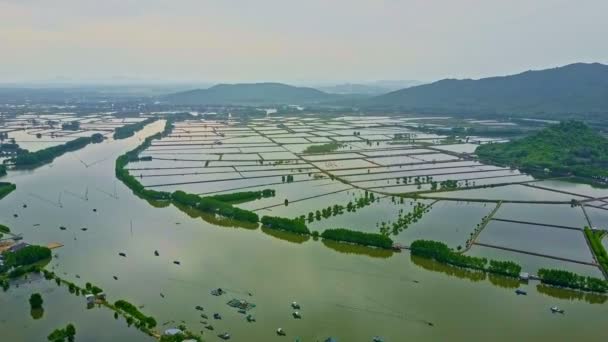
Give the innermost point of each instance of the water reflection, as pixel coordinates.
(286, 236)
(432, 265)
(37, 313)
(591, 298)
(348, 248)
(505, 282)
(214, 219)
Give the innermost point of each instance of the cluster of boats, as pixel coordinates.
(553, 309)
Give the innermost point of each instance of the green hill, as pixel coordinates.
(575, 90)
(566, 148)
(250, 94)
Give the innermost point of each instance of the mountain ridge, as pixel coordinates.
(250, 94)
(577, 88)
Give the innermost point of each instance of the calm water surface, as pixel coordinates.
(349, 293)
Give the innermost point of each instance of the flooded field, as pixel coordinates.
(350, 292)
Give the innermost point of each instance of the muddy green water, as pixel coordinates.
(350, 293)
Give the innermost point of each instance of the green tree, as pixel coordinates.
(36, 301)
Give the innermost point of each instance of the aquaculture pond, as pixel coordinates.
(349, 292)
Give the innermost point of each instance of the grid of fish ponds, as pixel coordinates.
(215, 157)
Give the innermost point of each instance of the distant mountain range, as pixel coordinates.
(371, 88)
(572, 90)
(250, 94)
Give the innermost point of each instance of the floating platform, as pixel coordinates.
(241, 304)
(54, 245)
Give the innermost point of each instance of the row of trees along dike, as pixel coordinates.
(47, 155)
(440, 252)
(129, 130)
(61, 335)
(245, 196)
(132, 310)
(594, 238)
(571, 280)
(359, 238)
(221, 204)
(121, 307)
(6, 188)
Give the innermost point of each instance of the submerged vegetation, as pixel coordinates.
(567, 148)
(47, 155)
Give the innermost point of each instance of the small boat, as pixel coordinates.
(297, 315)
(77, 276)
(241, 311)
(199, 308)
(156, 253)
(295, 306)
(250, 318)
(162, 295)
(521, 292)
(115, 277)
(84, 229)
(177, 262)
(555, 309)
(36, 224)
(94, 209)
(224, 336)
(62, 228)
(218, 292)
(204, 316)
(217, 316)
(377, 339)
(122, 254)
(209, 327)
(25, 205)
(281, 332)
(15, 215)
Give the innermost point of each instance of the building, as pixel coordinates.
(17, 247)
(90, 298)
(172, 332)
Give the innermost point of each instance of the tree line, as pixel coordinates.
(49, 154)
(572, 280)
(281, 223)
(440, 252)
(132, 310)
(359, 238)
(597, 247)
(129, 130)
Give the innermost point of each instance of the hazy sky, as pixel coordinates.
(295, 41)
